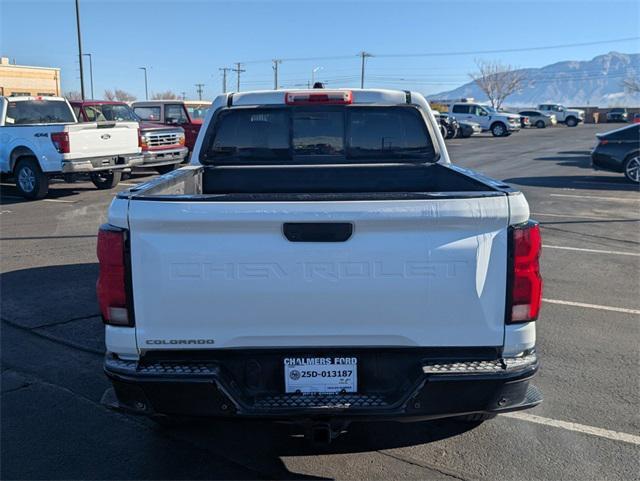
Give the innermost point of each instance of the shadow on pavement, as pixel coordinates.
(613, 182)
(43, 296)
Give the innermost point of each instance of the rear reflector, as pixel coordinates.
(111, 287)
(526, 282)
(324, 97)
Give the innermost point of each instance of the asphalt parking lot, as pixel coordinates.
(54, 426)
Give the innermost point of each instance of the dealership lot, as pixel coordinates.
(54, 425)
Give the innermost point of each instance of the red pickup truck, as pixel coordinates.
(170, 112)
(163, 147)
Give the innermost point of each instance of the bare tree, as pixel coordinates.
(167, 95)
(73, 95)
(119, 95)
(498, 80)
(631, 85)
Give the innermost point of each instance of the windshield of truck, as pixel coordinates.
(38, 112)
(113, 112)
(334, 134)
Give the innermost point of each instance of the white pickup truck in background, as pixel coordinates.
(500, 124)
(320, 262)
(40, 138)
(564, 115)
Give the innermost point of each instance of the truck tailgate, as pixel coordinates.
(413, 273)
(102, 139)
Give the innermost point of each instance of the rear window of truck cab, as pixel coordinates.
(38, 112)
(328, 134)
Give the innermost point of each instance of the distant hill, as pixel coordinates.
(596, 82)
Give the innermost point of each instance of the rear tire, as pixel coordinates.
(106, 180)
(571, 121)
(31, 182)
(165, 169)
(499, 129)
(540, 124)
(451, 132)
(632, 168)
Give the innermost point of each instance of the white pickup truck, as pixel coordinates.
(320, 262)
(40, 138)
(564, 115)
(500, 124)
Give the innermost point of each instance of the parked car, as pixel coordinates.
(197, 109)
(169, 112)
(525, 122)
(163, 148)
(540, 119)
(619, 151)
(500, 124)
(569, 117)
(467, 129)
(289, 273)
(636, 118)
(618, 114)
(40, 139)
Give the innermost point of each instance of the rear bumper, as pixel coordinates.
(603, 161)
(158, 158)
(436, 390)
(95, 164)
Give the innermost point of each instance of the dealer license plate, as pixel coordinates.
(320, 374)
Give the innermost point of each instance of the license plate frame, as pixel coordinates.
(321, 375)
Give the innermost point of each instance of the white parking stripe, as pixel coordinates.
(595, 197)
(595, 251)
(579, 428)
(592, 306)
(60, 200)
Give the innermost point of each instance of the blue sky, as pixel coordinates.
(186, 42)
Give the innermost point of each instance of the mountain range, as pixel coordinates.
(595, 82)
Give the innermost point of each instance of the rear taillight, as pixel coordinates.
(325, 97)
(61, 142)
(112, 286)
(603, 141)
(526, 282)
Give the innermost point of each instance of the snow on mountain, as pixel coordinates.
(596, 82)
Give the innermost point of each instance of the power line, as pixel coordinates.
(463, 52)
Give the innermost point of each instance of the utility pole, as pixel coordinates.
(80, 48)
(364, 55)
(184, 95)
(199, 90)
(146, 84)
(90, 71)
(224, 71)
(276, 62)
(238, 70)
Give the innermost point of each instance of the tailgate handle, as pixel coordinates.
(317, 231)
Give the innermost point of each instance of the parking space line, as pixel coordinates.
(592, 306)
(578, 428)
(60, 200)
(595, 251)
(129, 183)
(595, 197)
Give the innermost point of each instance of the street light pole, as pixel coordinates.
(90, 71)
(313, 75)
(364, 56)
(146, 85)
(80, 49)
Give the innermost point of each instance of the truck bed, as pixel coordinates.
(338, 182)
